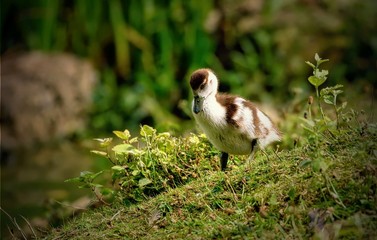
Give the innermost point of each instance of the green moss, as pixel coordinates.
(276, 196)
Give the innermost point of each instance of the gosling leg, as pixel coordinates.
(253, 150)
(250, 159)
(224, 160)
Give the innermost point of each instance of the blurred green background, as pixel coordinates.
(145, 51)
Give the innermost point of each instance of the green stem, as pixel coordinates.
(310, 111)
(319, 103)
(336, 113)
(337, 117)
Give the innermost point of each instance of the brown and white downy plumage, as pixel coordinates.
(232, 124)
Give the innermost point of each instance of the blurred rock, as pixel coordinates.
(44, 97)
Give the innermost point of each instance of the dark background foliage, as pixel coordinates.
(145, 50)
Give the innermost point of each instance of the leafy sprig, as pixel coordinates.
(149, 164)
(318, 78)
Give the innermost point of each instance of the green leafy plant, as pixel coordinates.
(151, 163)
(328, 95)
(321, 130)
(318, 78)
(86, 180)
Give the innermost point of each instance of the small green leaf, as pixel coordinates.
(315, 81)
(133, 140)
(74, 180)
(117, 168)
(104, 142)
(328, 99)
(123, 135)
(321, 73)
(144, 181)
(322, 61)
(85, 177)
(163, 136)
(319, 60)
(100, 153)
(87, 185)
(316, 57)
(135, 151)
(96, 185)
(95, 175)
(122, 148)
(147, 131)
(336, 92)
(325, 91)
(86, 174)
(310, 64)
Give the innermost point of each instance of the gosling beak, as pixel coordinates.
(198, 104)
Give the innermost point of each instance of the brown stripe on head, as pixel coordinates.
(256, 120)
(227, 101)
(198, 78)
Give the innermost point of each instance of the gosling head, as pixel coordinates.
(204, 84)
